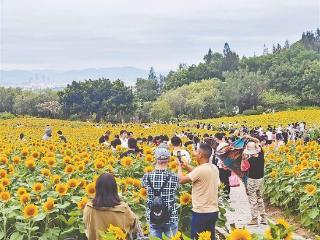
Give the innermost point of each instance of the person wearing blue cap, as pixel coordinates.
(162, 186)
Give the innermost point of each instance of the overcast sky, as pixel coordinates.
(74, 34)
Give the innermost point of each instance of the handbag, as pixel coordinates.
(234, 180)
(245, 165)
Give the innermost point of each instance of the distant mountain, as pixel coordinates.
(58, 79)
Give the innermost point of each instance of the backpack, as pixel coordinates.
(159, 212)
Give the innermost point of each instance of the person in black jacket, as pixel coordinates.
(132, 148)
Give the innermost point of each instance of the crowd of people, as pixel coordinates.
(162, 185)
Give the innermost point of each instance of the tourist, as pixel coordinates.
(178, 151)
(254, 154)
(116, 142)
(47, 133)
(224, 173)
(161, 186)
(22, 137)
(205, 182)
(105, 138)
(133, 149)
(61, 136)
(124, 138)
(106, 209)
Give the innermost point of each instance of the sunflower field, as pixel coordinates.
(44, 185)
(293, 181)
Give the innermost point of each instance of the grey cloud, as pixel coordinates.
(81, 33)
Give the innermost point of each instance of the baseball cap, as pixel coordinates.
(162, 153)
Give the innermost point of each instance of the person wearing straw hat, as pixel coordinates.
(254, 154)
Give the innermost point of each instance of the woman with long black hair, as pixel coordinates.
(106, 208)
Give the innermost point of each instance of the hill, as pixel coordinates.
(35, 79)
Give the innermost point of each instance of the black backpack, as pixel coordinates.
(159, 212)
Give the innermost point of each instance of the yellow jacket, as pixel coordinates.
(98, 220)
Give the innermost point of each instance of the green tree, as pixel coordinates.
(273, 99)
(231, 59)
(208, 58)
(196, 100)
(243, 88)
(100, 98)
(146, 89)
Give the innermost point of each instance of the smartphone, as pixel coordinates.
(179, 156)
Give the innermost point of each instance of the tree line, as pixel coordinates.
(222, 84)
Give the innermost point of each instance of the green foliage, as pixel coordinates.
(146, 89)
(102, 98)
(6, 115)
(250, 112)
(291, 177)
(197, 100)
(25, 102)
(272, 99)
(161, 111)
(242, 89)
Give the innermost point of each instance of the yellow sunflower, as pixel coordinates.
(240, 234)
(5, 181)
(48, 205)
(148, 169)
(82, 203)
(30, 163)
(25, 198)
(316, 164)
(61, 189)
(72, 183)
(126, 162)
(30, 211)
(118, 233)
(45, 172)
(310, 189)
(204, 235)
(5, 196)
(185, 199)
(21, 191)
(143, 193)
(3, 173)
(178, 236)
(69, 169)
(16, 159)
(38, 187)
(91, 189)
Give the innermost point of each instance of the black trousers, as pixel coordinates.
(224, 178)
(201, 222)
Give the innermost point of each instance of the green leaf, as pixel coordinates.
(40, 217)
(313, 213)
(71, 221)
(63, 219)
(16, 236)
(21, 227)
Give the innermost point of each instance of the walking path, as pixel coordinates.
(241, 214)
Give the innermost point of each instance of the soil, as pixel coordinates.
(275, 213)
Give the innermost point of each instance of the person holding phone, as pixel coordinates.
(177, 149)
(205, 182)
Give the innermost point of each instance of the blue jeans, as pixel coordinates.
(168, 229)
(201, 222)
